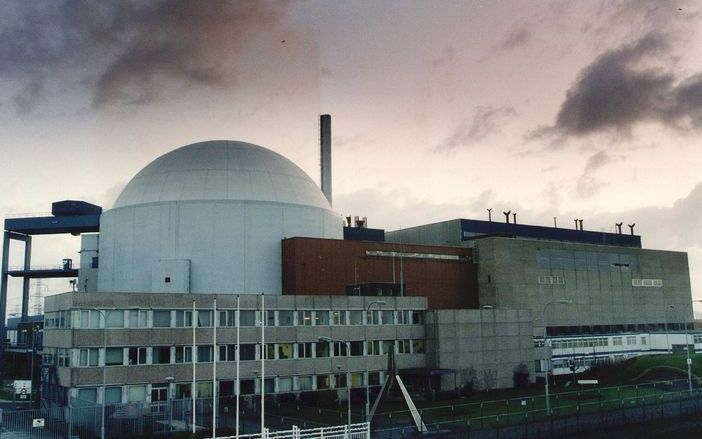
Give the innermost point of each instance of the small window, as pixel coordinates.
(167, 279)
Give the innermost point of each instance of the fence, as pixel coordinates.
(353, 431)
(572, 411)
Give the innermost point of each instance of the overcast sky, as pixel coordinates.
(440, 109)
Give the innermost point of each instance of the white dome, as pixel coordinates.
(222, 170)
(209, 218)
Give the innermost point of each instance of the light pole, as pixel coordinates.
(667, 338)
(169, 380)
(687, 347)
(378, 302)
(548, 361)
(348, 375)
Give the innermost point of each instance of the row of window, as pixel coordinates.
(597, 342)
(131, 356)
(94, 319)
(551, 280)
(285, 384)
(656, 283)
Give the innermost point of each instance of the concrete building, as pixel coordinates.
(460, 303)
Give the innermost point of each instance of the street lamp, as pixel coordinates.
(169, 380)
(375, 302)
(687, 347)
(348, 375)
(667, 337)
(548, 361)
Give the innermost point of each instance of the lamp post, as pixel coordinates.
(667, 337)
(103, 313)
(375, 302)
(348, 375)
(548, 361)
(169, 380)
(687, 347)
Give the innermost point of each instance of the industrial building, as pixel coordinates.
(220, 226)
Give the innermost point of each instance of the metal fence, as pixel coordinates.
(353, 431)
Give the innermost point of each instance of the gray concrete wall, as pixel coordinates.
(485, 346)
(443, 233)
(602, 294)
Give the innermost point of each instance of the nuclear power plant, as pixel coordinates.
(216, 245)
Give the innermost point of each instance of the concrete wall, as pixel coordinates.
(597, 278)
(485, 346)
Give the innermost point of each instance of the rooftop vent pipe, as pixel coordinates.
(631, 227)
(619, 227)
(325, 155)
(506, 214)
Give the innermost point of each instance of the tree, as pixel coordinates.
(520, 376)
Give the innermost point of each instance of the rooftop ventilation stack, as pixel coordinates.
(326, 155)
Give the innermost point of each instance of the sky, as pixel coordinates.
(440, 109)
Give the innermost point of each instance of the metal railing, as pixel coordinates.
(353, 431)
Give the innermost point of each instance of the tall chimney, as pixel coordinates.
(325, 155)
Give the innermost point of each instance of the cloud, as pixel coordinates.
(515, 39)
(127, 51)
(627, 86)
(485, 122)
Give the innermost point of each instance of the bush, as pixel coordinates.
(520, 376)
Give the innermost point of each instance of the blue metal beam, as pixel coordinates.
(49, 225)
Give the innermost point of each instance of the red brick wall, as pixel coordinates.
(326, 266)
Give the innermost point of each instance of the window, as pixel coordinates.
(136, 393)
(137, 318)
(269, 385)
(88, 394)
(204, 319)
(697, 339)
(655, 283)
(643, 341)
(338, 317)
(304, 318)
(322, 349)
(373, 378)
(88, 357)
(304, 350)
(270, 318)
(161, 355)
(114, 357)
(418, 346)
(286, 318)
(90, 319)
(204, 389)
(630, 339)
(340, 349)
(162, 318)
(551, 280)
(356, 379)
(373, 347)
(270, 351)
(285, 384)
(403, 317)
(114, 318)
(184, 318)
(372, 317)
(340, 380)
(247, 318)
(355, 317)
(417, 317)
(356, 348)
(285, 351)
(227, 318)
(137, 356)
(321, 318)
(113, 395)
(616, 341)
(204, 354)
(183, 354)
(247, 352)
(248, 387)
(388, 317)
(182, 390)
(388, 346)
(64, 357)
(304, 382)
(403, 346)
(323, 382)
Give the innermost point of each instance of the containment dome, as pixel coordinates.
(209, 218)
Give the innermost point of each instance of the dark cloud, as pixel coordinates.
(626, 86)
(597, 161)
(485, 121)
(515, 39)
(127, 51)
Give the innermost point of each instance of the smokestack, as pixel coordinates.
(325, 155)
